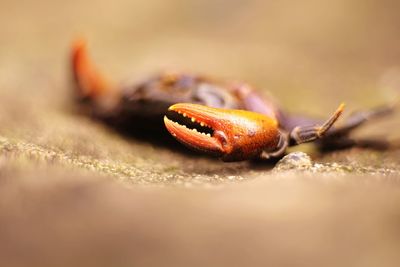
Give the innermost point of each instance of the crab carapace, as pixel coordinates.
(228, 120)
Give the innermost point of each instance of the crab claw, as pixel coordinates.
(230, 134)
(89, 82)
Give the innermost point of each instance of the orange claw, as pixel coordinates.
(90, 83)
(230, 134)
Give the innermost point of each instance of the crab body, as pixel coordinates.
(228, 120)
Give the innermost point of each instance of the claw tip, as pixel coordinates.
(79, 43)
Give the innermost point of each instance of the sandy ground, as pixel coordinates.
(74, 192)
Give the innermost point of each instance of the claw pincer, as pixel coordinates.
(229, 134)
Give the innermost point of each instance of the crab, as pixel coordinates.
(229, 120)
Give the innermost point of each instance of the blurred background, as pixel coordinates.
(71, 189)
(305, 50)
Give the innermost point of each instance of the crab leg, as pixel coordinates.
(339, 138)
(304, 134)
(252, 101)
(360, 117)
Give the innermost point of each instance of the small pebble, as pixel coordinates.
(294, 161)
